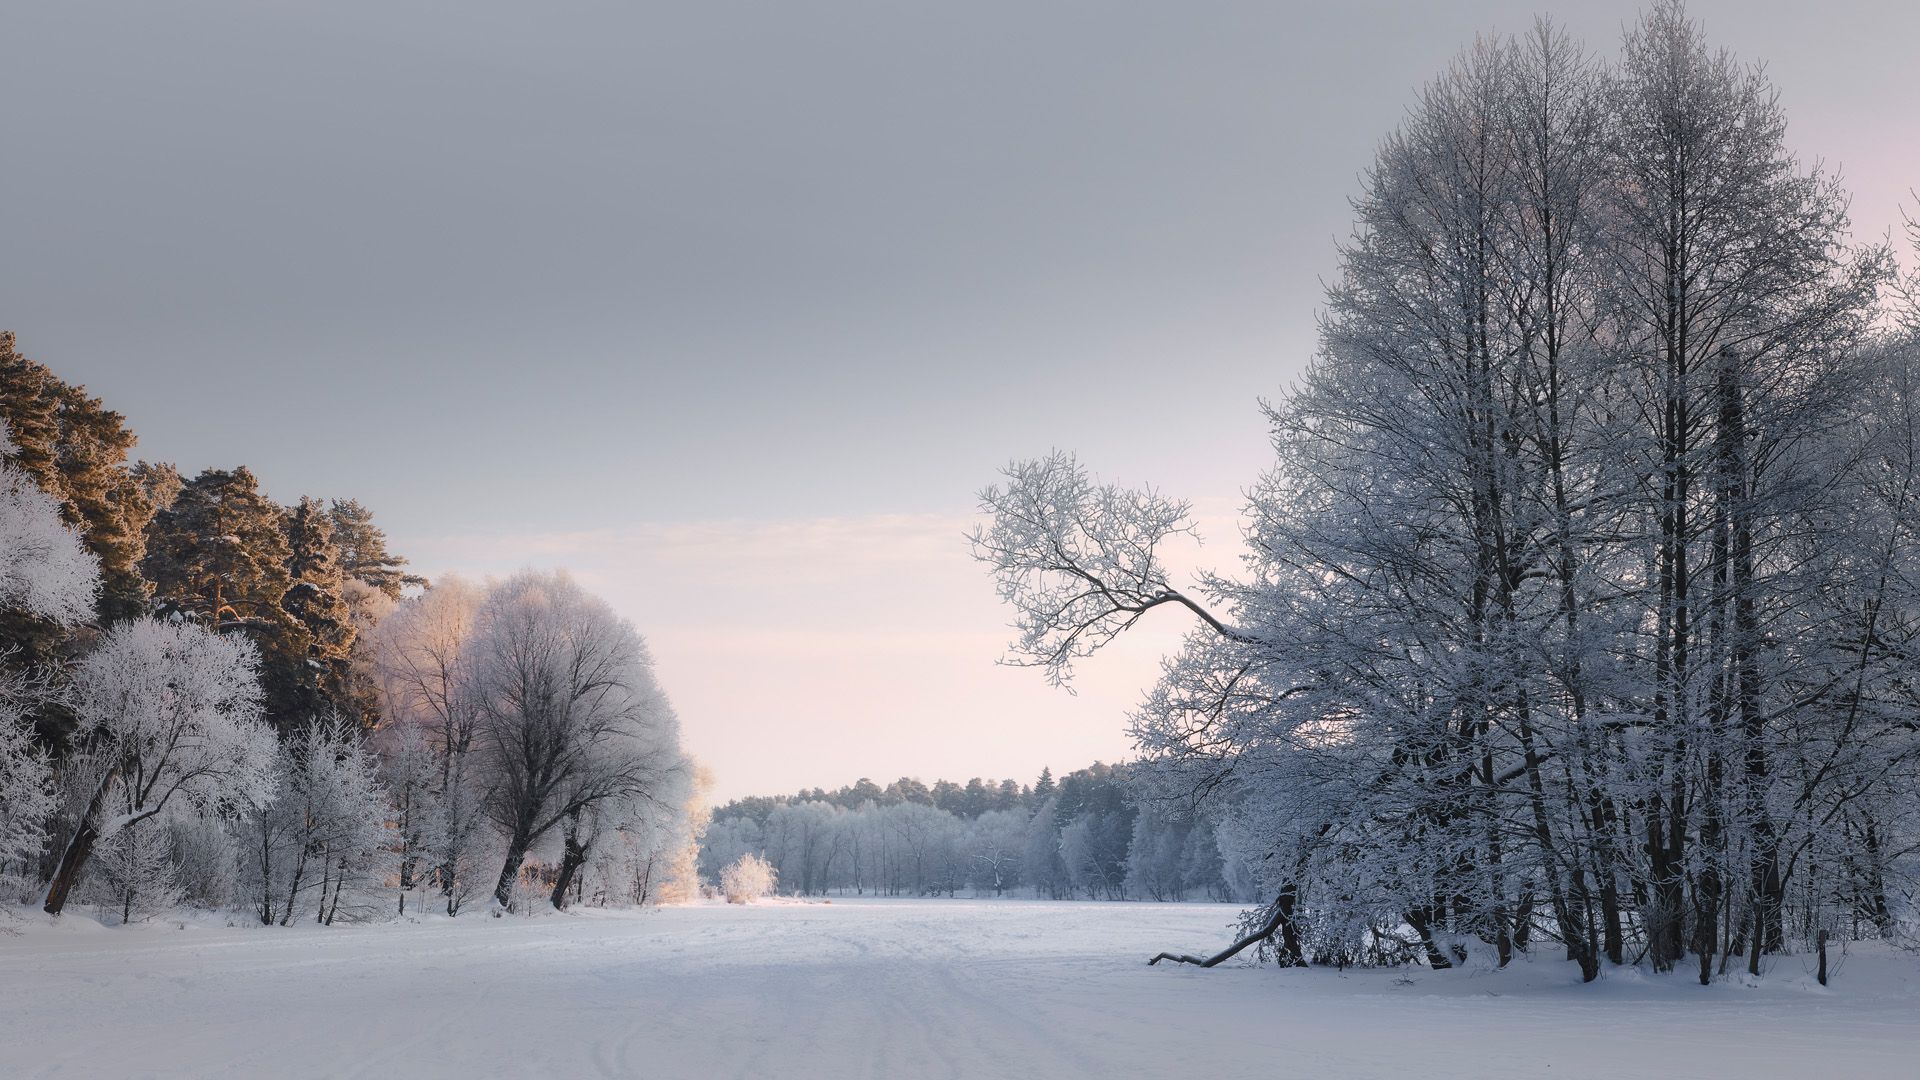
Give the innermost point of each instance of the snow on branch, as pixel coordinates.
(1078, 560)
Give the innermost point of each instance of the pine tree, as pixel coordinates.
(1042, 788)
(220, 556)
(315, 599)
(30, 405)
(105, 498)
(76, 450)
(363, 550)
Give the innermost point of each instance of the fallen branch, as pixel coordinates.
(1281, 908)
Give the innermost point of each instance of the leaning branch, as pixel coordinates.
(1272, 927)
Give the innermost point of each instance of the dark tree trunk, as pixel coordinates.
(79, 848)
(1422, 922)
(517, 846)
(571, 860)
(1662, 889)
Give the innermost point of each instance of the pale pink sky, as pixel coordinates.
(815, 652)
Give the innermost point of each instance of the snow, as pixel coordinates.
(883, 988)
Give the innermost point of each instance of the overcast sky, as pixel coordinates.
(731, 307)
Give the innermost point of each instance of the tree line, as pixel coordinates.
(1081, 837)
(212, 698)
(1582, 602)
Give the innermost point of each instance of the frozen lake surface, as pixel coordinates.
(884, 989)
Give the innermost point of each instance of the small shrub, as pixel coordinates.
(748, 879)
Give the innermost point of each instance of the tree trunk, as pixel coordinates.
(293, 888)
(573, 857)
(517, 846)
(79, 848)
(1422, 923)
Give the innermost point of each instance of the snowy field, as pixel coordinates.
(883, 989)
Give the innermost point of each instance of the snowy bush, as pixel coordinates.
(748, 879)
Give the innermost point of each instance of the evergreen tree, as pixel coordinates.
(1042, 788)
(220, 556)
(363, 550)
(76, 450)
(975, 800)
(949, 796)
(315, 599)
(104, 498)
(1009, 797)
(30, 405)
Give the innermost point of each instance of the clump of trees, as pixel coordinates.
(1581, 607)
(209, 697)
(1079, 837)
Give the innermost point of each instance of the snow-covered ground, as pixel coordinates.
(893, 989)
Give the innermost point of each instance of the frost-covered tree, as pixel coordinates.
(165, 711)
(1157, 858)
(640, 830)
(133, 875)
(570, 715)
(367, 607)
(652, 853)
(410, 771)
(206, 858)
(48, 577)
(996, 847)
(1094, 865)
(351, 836)
(420, 663)
(1557, 619)
(725, 840)
(1040, 863)
(46, 573)
(804, 842)
(27, 797)
(323, 838)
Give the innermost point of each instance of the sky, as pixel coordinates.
(732, 308)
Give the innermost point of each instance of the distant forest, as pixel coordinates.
(1082, 836)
